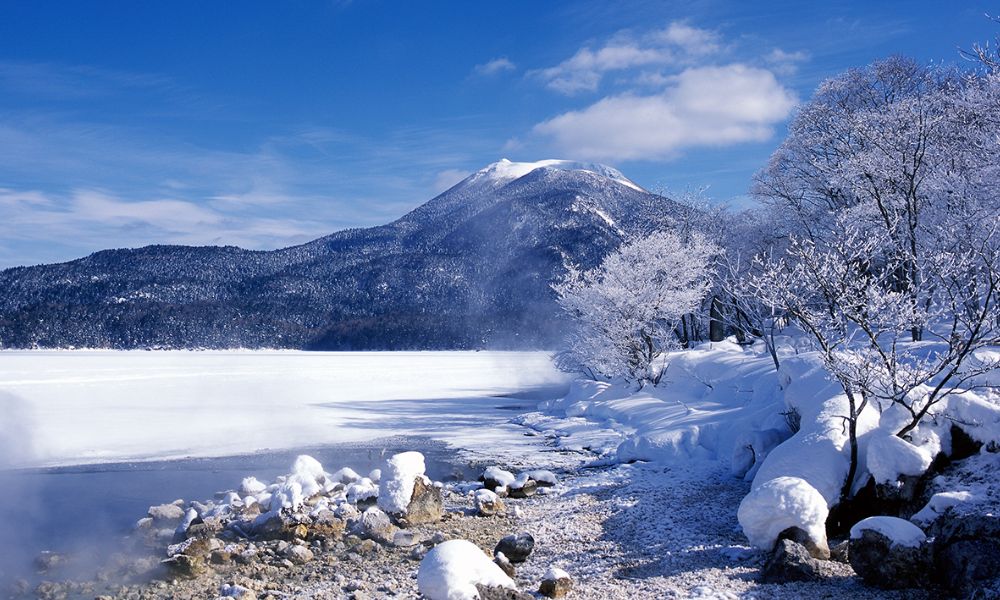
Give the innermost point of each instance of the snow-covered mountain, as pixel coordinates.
(470, 268)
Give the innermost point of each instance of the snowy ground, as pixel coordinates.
(81, 407)
(664, 527)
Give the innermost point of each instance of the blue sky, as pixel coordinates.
(265, 124)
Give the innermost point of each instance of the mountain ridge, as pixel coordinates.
(469, 268)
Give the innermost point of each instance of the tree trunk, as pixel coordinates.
(716, 327)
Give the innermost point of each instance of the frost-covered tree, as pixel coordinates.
(896, 147)
(628, 309)
(843, 294)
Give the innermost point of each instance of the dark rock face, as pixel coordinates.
(967, 554)
(516, 547)
(790, 561)
(471, 268)
(890, 566)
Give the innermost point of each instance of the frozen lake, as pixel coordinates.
(90, 439)
(83, 407)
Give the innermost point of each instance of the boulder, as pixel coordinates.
(298, 554)
(488, 503)
(556, 583)
(516, 547)
(426, 504)
(888, 564)
(522, 488)
(375, 525)
(790, 561)
(186, 566)
(495, 477)
(818, 548)
(967, 554)
(166, 512)
(326, 525)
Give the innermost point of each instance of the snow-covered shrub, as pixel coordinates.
(627, 309)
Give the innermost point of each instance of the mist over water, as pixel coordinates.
(87, 512)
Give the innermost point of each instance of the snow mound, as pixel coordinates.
(900, 531)
(398, 476)
(451, 570)
(779, 504)
(889, 456)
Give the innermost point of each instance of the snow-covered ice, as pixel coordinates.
(80, 407)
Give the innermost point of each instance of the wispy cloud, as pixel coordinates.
(701, 106)
(495, 66)
(678, 44)
(785, 63)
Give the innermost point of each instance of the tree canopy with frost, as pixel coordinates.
(628, 308)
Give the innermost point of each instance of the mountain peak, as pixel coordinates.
(506, 170)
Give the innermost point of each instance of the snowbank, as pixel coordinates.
(710, 399)
(451, 570)
(900, 531)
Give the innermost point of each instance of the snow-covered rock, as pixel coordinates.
(494, 477)
(487, 503)
(362, 491)
(345, 476)
(453, 569)
(939, 504)
(516, 547)
(891, 553)
(779, 504)
(898, 531)
(250, 486)
(398, 477)
(556, 583)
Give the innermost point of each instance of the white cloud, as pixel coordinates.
(694, 41)
(678, 44)
(702, 106)
(785, 63)
(497, 65)
(447, 178)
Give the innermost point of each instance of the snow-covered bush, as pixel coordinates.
(627, 309)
